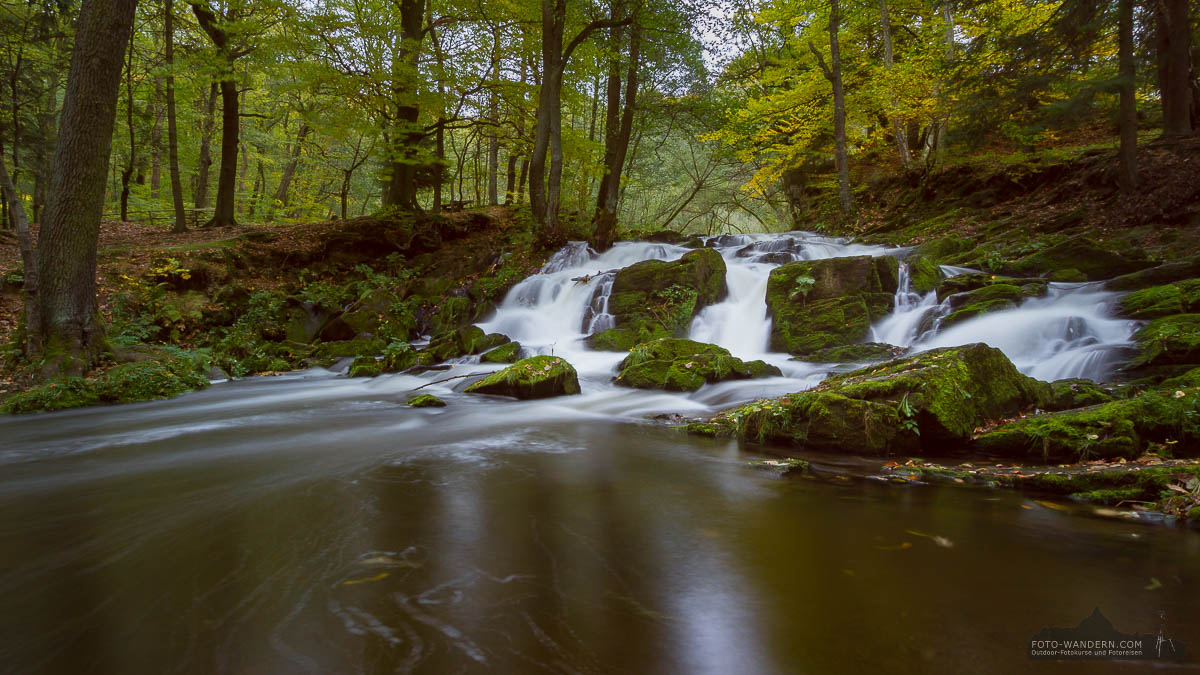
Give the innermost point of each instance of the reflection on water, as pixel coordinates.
(316, 525)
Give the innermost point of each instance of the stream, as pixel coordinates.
(311, 523)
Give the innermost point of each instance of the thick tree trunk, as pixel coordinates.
(224, 214)
(549, 107)
(617, 132)
(172, 130)
(204, 162)
(1174, 42)
(71, 334)
(1128, 120)
(402, 186)
(889, 61)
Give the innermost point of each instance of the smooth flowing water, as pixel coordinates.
(312, 523)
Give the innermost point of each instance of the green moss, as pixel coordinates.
(653, 299)
(1189, 379)
(1075, 393)
(463, 341)
(675, 364)
(618, 340)
(867, 351)
(450, 314)
(1160, 301)
(506, 353)
(1083, 255)
(819, 304)
(1111, 497)
(167, 375)
(1171, 340)
(976, 309)
(535, 377)
(365, 366)
(978, 285)
(923, 274)
(944, 249)
(357, 347)
(426, 401)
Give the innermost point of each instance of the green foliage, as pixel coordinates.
(167, 374)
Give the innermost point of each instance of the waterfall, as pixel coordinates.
(1068, 333)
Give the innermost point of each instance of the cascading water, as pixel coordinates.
(1068, 333)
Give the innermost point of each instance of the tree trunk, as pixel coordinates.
(29, 287)
(1128, 119)
(402, 187)
(493, 151)
(618, 129)
(889, 61)
(204, 163)
(1174, 39)
(223, 214)
(833, 73)
(280, 198)
(156, 144)
(71, 334)
(549, 107)
(127, 172)
(172, 129)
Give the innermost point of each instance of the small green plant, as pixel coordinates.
(802, 285)
(908, 415)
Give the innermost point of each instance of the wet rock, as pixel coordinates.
(368, 315)
(991, 298)
(866, 351)
(1114, 429)
(654, 299)
(463, 342)
(1159, 301)
(1171, 340)
(964, 283)
(932, 401)
(426, 401)
(675, 364)
(1154, 276)
(828, 303)
(505, 353)
(366, 346)
(535, 377)
(1075, 393)
(1080, 253)
(923, 274)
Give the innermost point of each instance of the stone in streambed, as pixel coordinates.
(675, 364)
(535, 377)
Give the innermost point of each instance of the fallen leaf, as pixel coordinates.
(1154, 584)
(377, 577)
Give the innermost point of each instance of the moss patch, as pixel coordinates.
(426, 401)
(1160, 301)
(819, 304)
(535, 377)
(165, 376)
(1171, 340)
(654, 299)
(675, 364)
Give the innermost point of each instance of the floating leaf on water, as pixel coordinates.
(1154, 584)
(943, 542)
(1050, 505)
(902, 546)
(377, 577)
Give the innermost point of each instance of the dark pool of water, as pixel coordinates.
(316, 526)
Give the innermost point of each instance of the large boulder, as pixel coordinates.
(932, 401)
(815, 304)
(675, 364)
(535, 377)
(1153, 276)
(654, 299)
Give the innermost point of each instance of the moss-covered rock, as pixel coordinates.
(535, 377)
(923, 274)
(1189, 379)
(1160, 301)
(859, 353)
(676, 364)
(968, 283)
(379, 313)
(991, 298)
(1116, 429)
(654, 299)
(1082, 254)
(426, 401)
(828, 303)
(931, 402)
(615, 340)
(1171, 340)
(1155, 276)
(1075, 393)
(818, 421)
(944, 249)
(164, 376)
(450, 313)
(462, 342)
(509, 352)
(947, 392)
(365, 346)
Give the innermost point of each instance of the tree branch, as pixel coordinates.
(820, 61)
